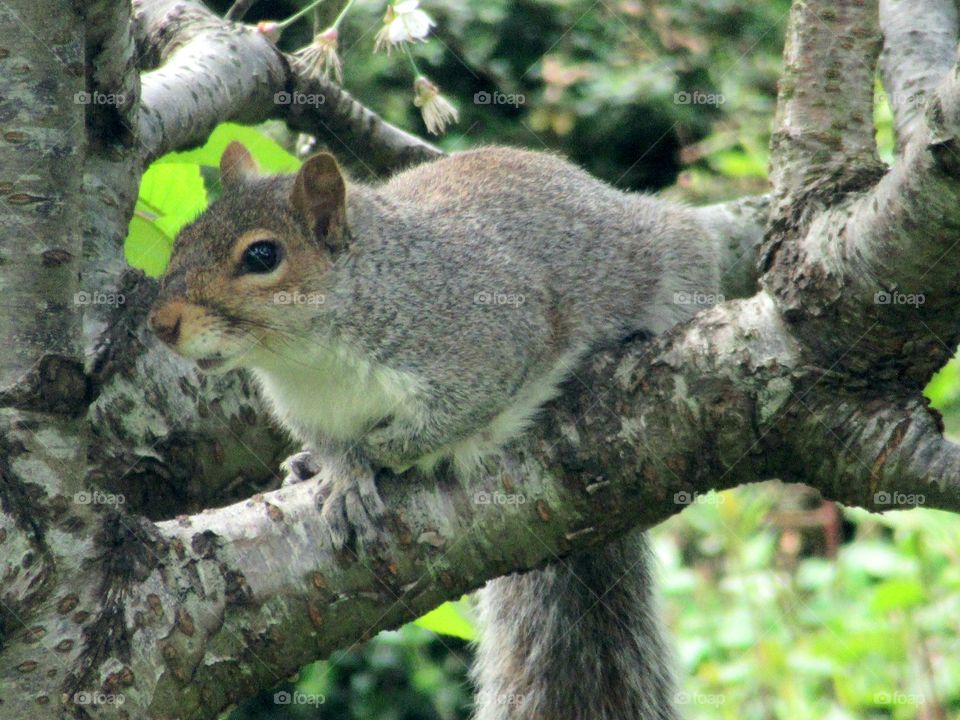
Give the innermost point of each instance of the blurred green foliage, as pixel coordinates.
(764, 633)
(631, 89)
(408, 674)
(648, 95)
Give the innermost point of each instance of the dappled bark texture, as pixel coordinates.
(815, 377)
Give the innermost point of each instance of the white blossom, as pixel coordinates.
(320, 57)
(437, 111)
(404, 22)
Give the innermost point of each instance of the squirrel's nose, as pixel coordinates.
(164, 321)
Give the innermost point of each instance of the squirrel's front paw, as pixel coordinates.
(352, 508)
(298, 468)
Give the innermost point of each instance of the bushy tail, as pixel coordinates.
(580, 639)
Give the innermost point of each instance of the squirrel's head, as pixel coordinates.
(246, 277)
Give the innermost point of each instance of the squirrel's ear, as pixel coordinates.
(236, 165)
(320, 195)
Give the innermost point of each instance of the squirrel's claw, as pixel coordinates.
(352, 508)
(347, 497)
(298, 468)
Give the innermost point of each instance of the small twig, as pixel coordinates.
(239, 9)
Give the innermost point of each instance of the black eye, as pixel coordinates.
(261, 257)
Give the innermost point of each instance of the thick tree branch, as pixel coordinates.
(884, 454)
(722, 401)
(823, 135)
(213, 70)
(809, 380)
(43, 439)
(919, 48)
(872, 285)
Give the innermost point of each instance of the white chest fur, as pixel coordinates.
(336, 394)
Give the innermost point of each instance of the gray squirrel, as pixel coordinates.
(427, 320)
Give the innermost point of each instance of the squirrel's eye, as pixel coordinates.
(261, 257)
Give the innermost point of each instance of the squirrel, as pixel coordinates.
(427, 319)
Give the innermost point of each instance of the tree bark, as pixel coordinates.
(815, 377)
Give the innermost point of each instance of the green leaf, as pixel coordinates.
(449, 619)
(897, 595)
(269, 154)
(883, 122)
(943, 386)
(147, 247)
(815, 573)
(171, 195)
(735, 163)
(811, 664)
(174, 191)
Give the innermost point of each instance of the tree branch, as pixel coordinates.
(919, 48)
(213, 70)
(807, 380)
(239, 9)
(224, 596)
(823, 131)
(888, 454)
(348, 127)
(869, 286)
